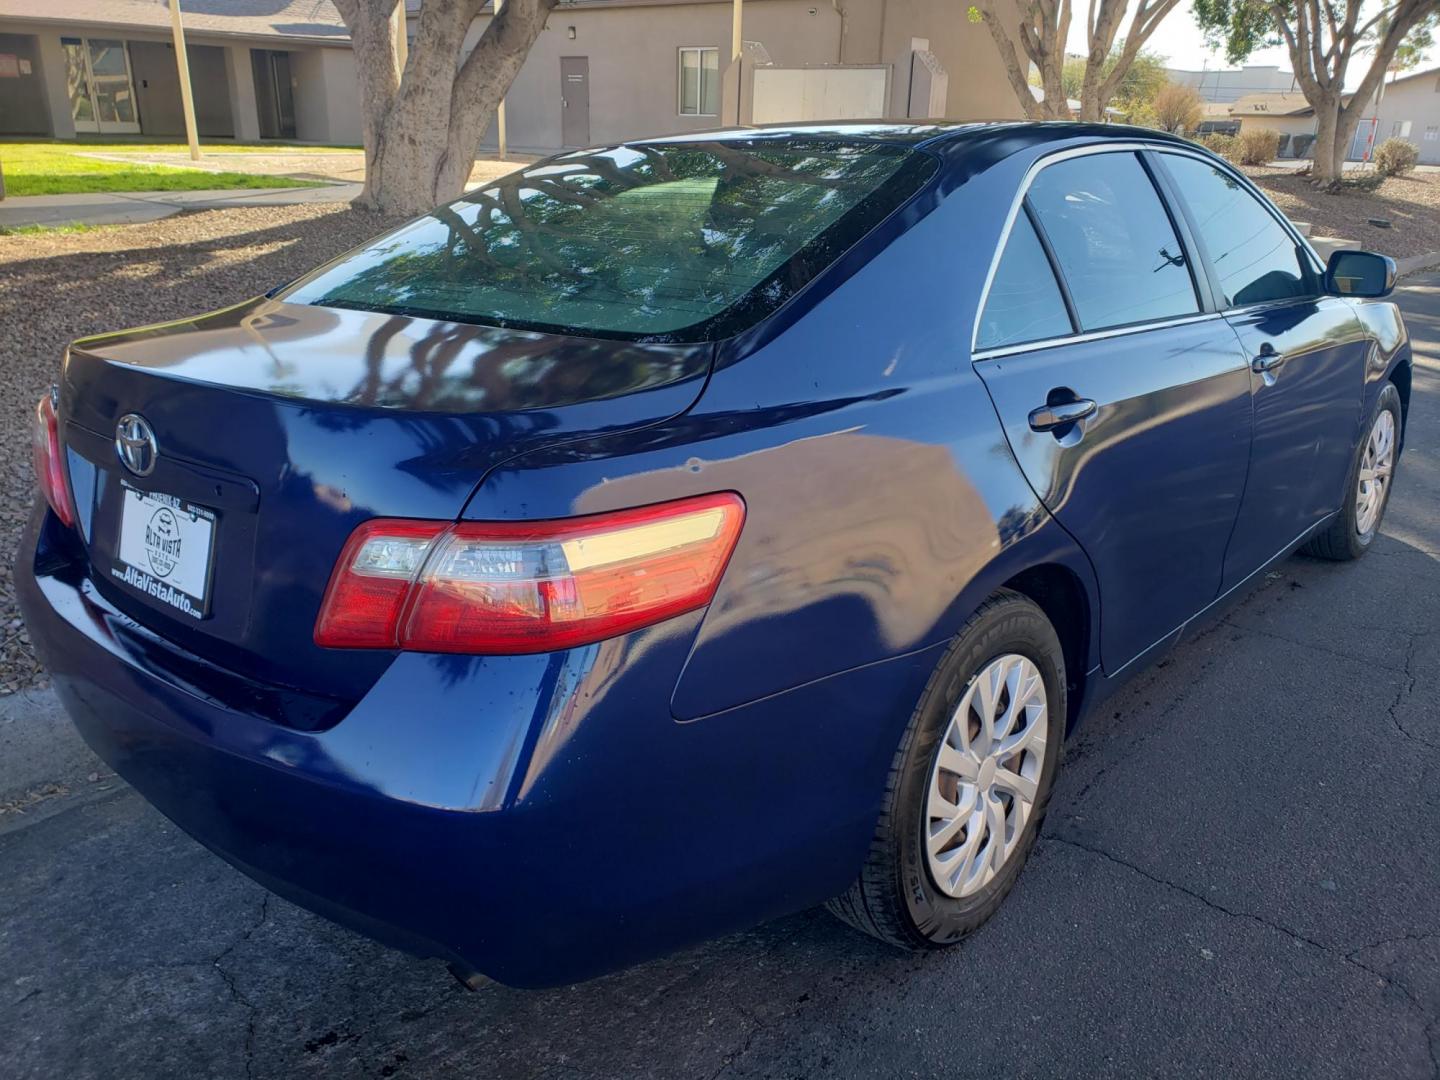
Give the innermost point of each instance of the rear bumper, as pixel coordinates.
(538, 819)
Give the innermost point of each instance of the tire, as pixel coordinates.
(897, 896)
(1346, 537)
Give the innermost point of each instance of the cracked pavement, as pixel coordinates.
(1239, 876)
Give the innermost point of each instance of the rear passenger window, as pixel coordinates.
(1113, 241)
(1253, 255)
(1024, 302)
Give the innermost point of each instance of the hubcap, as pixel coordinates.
(1376, 467)
(986, 775)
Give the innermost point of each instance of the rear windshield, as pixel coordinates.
(668, 242)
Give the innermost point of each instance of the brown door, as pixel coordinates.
(575, 100)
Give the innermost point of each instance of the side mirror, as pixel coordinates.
(1360, 273)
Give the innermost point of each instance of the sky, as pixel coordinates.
(1180, 39)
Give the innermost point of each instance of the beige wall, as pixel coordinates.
(634, 63)
(312, 110)
(978, 87)
(1418, 101)
(1286, 125)
(344, 125)
(326, 99)
(633, 60)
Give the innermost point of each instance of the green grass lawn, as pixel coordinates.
(54, 168)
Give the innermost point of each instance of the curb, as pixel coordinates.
(1416, 262)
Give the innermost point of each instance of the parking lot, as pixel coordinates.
(1239, 876)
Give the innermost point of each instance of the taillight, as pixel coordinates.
(524, 587)
(49, 461)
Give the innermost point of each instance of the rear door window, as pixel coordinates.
(1113, 240)
(1254, 257)
(1025, 303)
(685, 241)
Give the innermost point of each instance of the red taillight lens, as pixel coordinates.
(371, 582)
(49, 461)
(526, 586)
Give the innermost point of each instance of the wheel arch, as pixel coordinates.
(1061, 594)
(1402, 375)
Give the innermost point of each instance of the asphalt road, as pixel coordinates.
(1240, 876)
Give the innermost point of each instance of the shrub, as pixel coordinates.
(1259, 146)
(1177, 108)
(1395, 157)
(1219, 143)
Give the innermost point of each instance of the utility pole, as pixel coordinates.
(737, 46)
(500, 109)
(183, 63)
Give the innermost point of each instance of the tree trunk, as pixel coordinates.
(1324, 172)
(1014, 73)
(1346, 121)
(422, 129)
(1320, 70)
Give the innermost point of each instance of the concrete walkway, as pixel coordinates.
(109, 209)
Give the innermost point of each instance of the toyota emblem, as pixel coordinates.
(135, 444)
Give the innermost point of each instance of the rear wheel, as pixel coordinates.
(1367, 489)
(969, 785)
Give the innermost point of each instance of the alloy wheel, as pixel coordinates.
(986, 775)
(1375, 470)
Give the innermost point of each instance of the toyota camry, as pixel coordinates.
(673, 535)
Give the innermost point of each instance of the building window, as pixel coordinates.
(1432, 133)
(699, 82)
(1400, 129)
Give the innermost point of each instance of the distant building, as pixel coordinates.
(1289, 114)
(261, 69)
(1409, 108)
(607, 70)
(1232, 85)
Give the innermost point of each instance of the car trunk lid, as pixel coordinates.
(280, 427)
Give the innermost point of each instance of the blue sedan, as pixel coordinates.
(674, 535)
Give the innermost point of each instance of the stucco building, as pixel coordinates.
(259, 68)
(604, 70)
(1409, 109)
(601, 70)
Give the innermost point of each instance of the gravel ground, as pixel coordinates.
(1410, 203)
(57, 287)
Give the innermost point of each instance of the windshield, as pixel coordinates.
(677, 241)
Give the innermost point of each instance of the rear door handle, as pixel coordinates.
(1268, 359)
(1050, 417)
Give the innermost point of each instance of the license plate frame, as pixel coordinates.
(165, 550)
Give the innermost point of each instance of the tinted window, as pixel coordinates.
(1024, 302)
(654, 242)
(1113, 240)
(1253, 255)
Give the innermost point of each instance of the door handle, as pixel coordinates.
(1268, 360)
(1050, 417)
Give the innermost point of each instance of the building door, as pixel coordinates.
(575, 100)
(102, 96)
(157, 89)
(274, 94)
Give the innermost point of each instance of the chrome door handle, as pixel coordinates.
(1268, 360)
(1050, 417)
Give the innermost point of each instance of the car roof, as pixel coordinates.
(952, 135)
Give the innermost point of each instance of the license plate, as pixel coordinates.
(165, 550)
